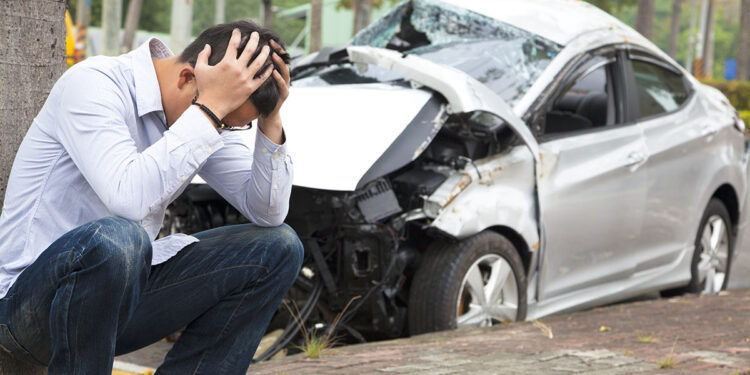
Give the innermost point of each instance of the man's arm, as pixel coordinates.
(92, 129)
(257, 183)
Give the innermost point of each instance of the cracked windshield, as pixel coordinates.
(506, 59)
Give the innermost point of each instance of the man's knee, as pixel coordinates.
(119, 243)
(288, 247)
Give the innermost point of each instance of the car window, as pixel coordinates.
(588, 104)
(659, 90)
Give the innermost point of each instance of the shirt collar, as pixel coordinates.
(147, 93)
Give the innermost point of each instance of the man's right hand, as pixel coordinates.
(225, 86)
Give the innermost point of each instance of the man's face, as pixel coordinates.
(242, 116)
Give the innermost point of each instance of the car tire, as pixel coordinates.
(441, 296)
(709, 258)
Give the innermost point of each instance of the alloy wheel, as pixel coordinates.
(712, 266)
(488, 294)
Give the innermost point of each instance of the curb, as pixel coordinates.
(124, 368)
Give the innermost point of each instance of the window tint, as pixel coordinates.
(588, 104)
(659, 90)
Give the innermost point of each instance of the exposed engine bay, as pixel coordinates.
(362, 247)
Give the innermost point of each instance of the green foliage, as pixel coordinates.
(745, 116)
(726, 26)
(156, 15)
(738, 93)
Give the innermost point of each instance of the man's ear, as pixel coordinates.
(187, 77)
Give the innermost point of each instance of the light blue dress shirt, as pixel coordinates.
(100, 147)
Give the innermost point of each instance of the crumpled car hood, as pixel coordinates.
(336, 133)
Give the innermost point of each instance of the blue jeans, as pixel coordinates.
(93, 294)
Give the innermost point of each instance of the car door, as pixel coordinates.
(679, 139)
(592, 187)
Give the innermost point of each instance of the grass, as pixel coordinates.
(314, 345)
(646, 338)
(669, 361)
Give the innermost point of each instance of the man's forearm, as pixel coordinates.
(271, 127)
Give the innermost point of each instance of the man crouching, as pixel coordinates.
(81, 278)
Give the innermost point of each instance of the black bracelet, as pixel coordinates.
(214, 118)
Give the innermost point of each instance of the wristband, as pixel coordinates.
(211, 115)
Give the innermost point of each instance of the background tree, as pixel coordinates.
(131, 24)
(645, 20)
(316, 15)
(675, 30)
(743, 49)
(267, 13)
(362, 14)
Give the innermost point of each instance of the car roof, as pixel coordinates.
(560, 21)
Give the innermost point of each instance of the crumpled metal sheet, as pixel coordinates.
(464, 93)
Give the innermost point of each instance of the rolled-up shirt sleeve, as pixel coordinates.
(257, 182)
(130, 183)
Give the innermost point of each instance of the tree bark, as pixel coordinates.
(644, 22)
(32, 33)
(362, 13)
(316, 24)
(131, 24)
(267, 13)
(674, 35)
(744, 43)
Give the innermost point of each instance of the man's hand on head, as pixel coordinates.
(271, 125)
(227, 85)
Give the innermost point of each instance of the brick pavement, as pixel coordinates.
(702, 335)
(705, 335)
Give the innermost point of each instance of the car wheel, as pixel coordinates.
(477, 282)
(714, 244)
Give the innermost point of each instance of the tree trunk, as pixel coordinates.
(744, 43)
(83, 16)
(644, 22)
(316, 24)
(267, 13)
(111, 17)
(362, 13)
(708, 50)
(32, 33)
(220, 14)
(674, 35)
(181, 25)
(131, 24)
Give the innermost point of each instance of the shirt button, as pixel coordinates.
(275, 156)
(275, 187)
(183, 178)
(265, 150)
(210, 149)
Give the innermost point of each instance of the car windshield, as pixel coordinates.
(506, 59)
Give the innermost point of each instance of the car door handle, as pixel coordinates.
(636, 158)
(708, 131)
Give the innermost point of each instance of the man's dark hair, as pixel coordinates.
(267, 95)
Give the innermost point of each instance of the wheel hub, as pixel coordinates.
(488, 293)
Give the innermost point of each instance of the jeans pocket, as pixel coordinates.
(9, 344)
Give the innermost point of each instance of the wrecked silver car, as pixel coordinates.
(477, 162)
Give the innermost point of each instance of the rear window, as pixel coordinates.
(660, 90)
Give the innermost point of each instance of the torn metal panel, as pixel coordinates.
(464, 93)
(504, 196)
